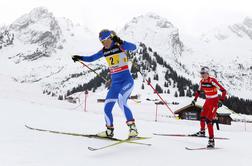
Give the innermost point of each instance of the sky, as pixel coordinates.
(190, 16)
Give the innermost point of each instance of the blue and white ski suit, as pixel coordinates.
(122, 81)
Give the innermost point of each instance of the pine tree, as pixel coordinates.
(149, 80)
(155, 77)
(159, 89)
(189, 93)
(60, 97)
(181, 92)
(176, 94)
(142, 86)
(166, 84)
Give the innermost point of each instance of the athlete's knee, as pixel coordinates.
(108, 106)
(209, 121)
(107, 109)
(121, 101)
(202, 118)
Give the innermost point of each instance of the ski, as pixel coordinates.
(201, 148)
(128, 140)
(78, 134)
(187, 135)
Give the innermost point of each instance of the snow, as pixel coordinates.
(23, 104)
(22, 101)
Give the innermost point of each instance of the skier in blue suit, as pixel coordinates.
(122, 82)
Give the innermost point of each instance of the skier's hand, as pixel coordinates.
(76, 58)
(116, 39)
(193, 102)
(108, 83)
(220, 103)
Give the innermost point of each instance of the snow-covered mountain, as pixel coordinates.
(156, 32)
(37, 48)
(226, 50)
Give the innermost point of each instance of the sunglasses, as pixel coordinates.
(202, 73)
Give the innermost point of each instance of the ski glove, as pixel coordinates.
(108, 84)
(76, 58)
(220, 103)
(193, 102)
(116, 39)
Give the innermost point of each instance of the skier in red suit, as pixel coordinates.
(210, 87)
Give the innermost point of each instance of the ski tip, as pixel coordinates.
(187, 148)
(91, 149)
(201, 148)
(222, 138)
(148, 144)
(27, 126)
(139, 138)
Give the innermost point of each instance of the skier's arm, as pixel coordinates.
(127, 46)
(197, 93)
(92, 57)
(221, 88)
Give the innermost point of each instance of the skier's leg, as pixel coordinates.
(203, 116)
(109, 104)
(202, 123)
(201, 133)
(213, 105)
(111, 98)
(211, 142)
(211, 114)
(108, 107)
(122, 101)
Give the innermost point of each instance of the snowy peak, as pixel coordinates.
(156, 32)
(36, 15)
(243, 29)
(156, 19)
(40, 34)
(238, 31)
(248, 22)
(38, 46)
(38, 26)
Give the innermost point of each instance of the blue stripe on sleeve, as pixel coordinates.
(92, 57)
(128, 46)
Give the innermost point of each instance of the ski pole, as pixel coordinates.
(165, 103)
(104, 79)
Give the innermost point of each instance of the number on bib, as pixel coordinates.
(113, 60)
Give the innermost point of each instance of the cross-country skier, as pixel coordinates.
(210, 87)
(114, 50)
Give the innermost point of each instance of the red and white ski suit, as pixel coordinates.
(210, 87)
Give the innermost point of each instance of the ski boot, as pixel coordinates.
(132, 129)
(199, 134)
(211, 143)
(107, 133)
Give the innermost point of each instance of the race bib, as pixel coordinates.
(113, 60)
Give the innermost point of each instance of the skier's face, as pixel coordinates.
(204, 75)
(106, 43)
